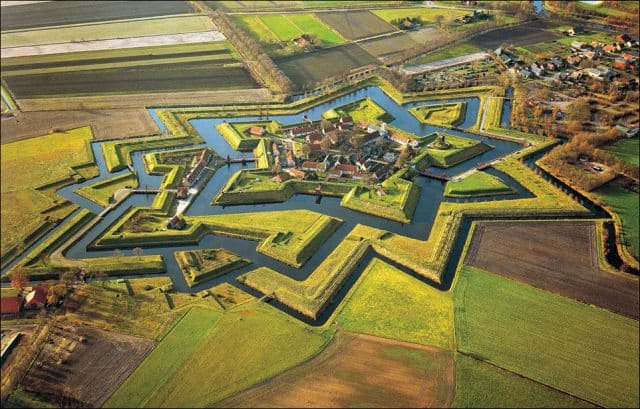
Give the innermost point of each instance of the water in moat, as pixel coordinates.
(430, 197)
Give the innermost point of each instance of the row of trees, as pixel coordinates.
(253, 54)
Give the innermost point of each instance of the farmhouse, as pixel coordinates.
(37, 298)
(281, 177)
(10, 306)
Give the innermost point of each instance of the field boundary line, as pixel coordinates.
(495, 365)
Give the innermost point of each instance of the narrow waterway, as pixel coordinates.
(430, 198)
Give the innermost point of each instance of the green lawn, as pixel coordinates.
(480, 385)
(449, 52)
(366, 110)
(577, 348)
(477, 184)
(446, 115)
(209, 356)
(309, 24)
(102, 192)
(282, 27)
(625, 204)
(427, 14)
(460, 149)
(626, 150)
(392, 304)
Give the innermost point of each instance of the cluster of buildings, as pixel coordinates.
(619, 55)
(346, 150)
(38, 298)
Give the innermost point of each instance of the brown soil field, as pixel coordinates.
(197, 98)
(360, 371)
(520, 35)
(560, 257)
(105, 124)
(85, 364)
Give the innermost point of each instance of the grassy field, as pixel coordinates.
(276, 32)
(102, 31)
(447, 115)
(477, 184)
(625, 204)
(63, 13)
(480, 385)
(366, 110)
(576, 348)
(102, 192)
(384, 303)
(626, 150)
(449, 52)
(26, 209)
(209, 356)
(354, 25)
(426, 14)
(313, 67)
(279, 5)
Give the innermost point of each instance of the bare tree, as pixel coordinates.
(19, 278)
(138, 252)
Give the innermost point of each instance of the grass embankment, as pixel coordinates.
(31, 171)
(459, 150)
(289, 236)
(198, 266)
(173, 164)
(37, 262)
(209, 356)
(237, 140)
(445, 115)
(577, 348)
(477, 184)
(249, 186)
(365, 109)
(625, 206)
(426, 258)
(398, 203)
(102, 192)
(384, 304)
(482, 385)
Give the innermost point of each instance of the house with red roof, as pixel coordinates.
(10, 306)
(37, 298)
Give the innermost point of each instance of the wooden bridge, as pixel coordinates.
(442, 177)
(241, 159)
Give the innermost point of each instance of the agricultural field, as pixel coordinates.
(360, 371)
(625, 204)
(474, 380)
(82, 350)
(210, 355)
(27, 207)
(279, 5)
(277, 32)
(530, 33)
(477, 184)
(519, 250)
(209, 67)
(105, 124)
(107, 30)
(388, 45)
(580, 349)
(626, 150)
(426, 14)
(46, 14)
(383, 303)
(319, 65)
(356, 25)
